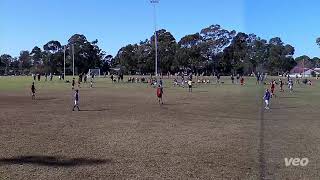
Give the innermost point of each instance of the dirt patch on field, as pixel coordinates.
(123, 133)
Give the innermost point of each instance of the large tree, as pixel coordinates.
(52, 46)
(257, 54)
(140, 58)
(307, 62)
(126, 58)
(52, 57)
(166, 50)
(5, 61)
(106, 63)
(87, 54)
(235, 55)
(280, 57)
(25, 61)
(189, 56)
(36, 58)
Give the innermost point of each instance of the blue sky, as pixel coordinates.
(295, 21)
(28, 23)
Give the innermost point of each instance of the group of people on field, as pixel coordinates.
(82, 78)
(271, 93)
(158, 83)
(38, 76)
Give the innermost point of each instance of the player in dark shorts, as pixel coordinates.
(85, 78)
(73, 83)
(242, 81)
(218, 79)
(238, 77)
(161, 82)
(79, 83)
(76, 100)
(273, 86)
(281, 85)
(258, 78)
(112, 77)
(80, 77)
(33, 91)
(91, 83)
(232, 79)
(159, 94)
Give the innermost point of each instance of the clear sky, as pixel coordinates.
(28, 23)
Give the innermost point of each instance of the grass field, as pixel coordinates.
(216, 132)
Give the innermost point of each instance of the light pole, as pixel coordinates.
(303, 74)
(72, 60)
(154, 2)
(64, 61)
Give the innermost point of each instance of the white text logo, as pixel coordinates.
(296, 161)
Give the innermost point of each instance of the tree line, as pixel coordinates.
(211, 50)
(50, 59)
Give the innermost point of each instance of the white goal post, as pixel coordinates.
(96, 72)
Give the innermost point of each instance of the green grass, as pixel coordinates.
(215, 124)
(23, 83)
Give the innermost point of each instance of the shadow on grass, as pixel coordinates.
(284, 108)
(200, 91)
(93, 110)
(45, 99)
(175, 104)
(52, 161)
(288, 97)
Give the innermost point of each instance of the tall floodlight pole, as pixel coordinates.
(72, 60)
(154, 2)
(303, 74)
(64, 61)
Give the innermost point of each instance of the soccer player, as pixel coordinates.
(290, 84)
(281, 85)
(80, 78)
(258, 78)
(273, 86)
(242, 81)
(266, 99)
(238, 77)
(111, 77)
(79, 83)
(33, 91)
(73, 83)
(218, 78)
(232, 79)
(159, 94)
(190, 85)
(85, 78)
(91, 82)
(161, 82)
(76, 100)
(261, 77)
